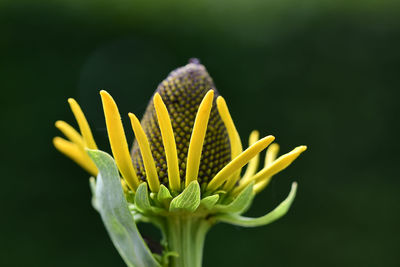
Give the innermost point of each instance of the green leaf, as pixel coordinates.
(142, 201)
(116, 216)
(92, 183)
(240, 203)
(210, 201)
(163, 195)
(188, 200)
(274, 215)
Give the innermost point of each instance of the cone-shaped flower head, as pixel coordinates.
(181, 93)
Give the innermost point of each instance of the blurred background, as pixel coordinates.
(315, 72)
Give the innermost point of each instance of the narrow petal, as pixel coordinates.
(234, 138)
(168, 138)
(148, 161)
(270, 156)
(258, 187)
(253, 164)
(278, 165)
(70, 133)
(233, 180)
(83, 124)
(117, 139)
(239, 162)
(197, 138)
(73, 151)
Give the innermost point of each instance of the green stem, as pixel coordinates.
(185, 235)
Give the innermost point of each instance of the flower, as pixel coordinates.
(189, 153)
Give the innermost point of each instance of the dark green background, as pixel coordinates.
(320, 73)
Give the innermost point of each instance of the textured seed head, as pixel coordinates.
(182, 92)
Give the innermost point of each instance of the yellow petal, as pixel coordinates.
(168, 138)
(148, 161)
(197, 138)
(117, 139)
(73, 151)
(271, 154)
(70, 133)
(258, 187)
(278, 165)
(83, 124)
(238, 162)
(125, 187)
(234, 138)
(253, 164)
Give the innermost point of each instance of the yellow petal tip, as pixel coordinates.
(56, 140)
(131, 115)
(209, 96)
(255, 133)
(274, 145)
(157, 97)
(104, 92)
(269, 138)
(220, 100)
(301, 149)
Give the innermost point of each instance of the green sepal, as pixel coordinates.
(240, 203)
(188, 200)
(115, 213)
(270, 217)
(221, 193)
(164, 195)
(130, 197)
(153, 196)
(142, 201)
(209, 202)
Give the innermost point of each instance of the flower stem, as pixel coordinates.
(186, 235)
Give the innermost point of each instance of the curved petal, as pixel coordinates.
(116, 136)
(148, 160)
(197, 138)
(83, 124)
(239, 162)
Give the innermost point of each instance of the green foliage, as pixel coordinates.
(270, 217)
(92, 184)
(142, 201)
(240, 203)
(163, 195)
(188, 200)
(115, 213)
(210, 201)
